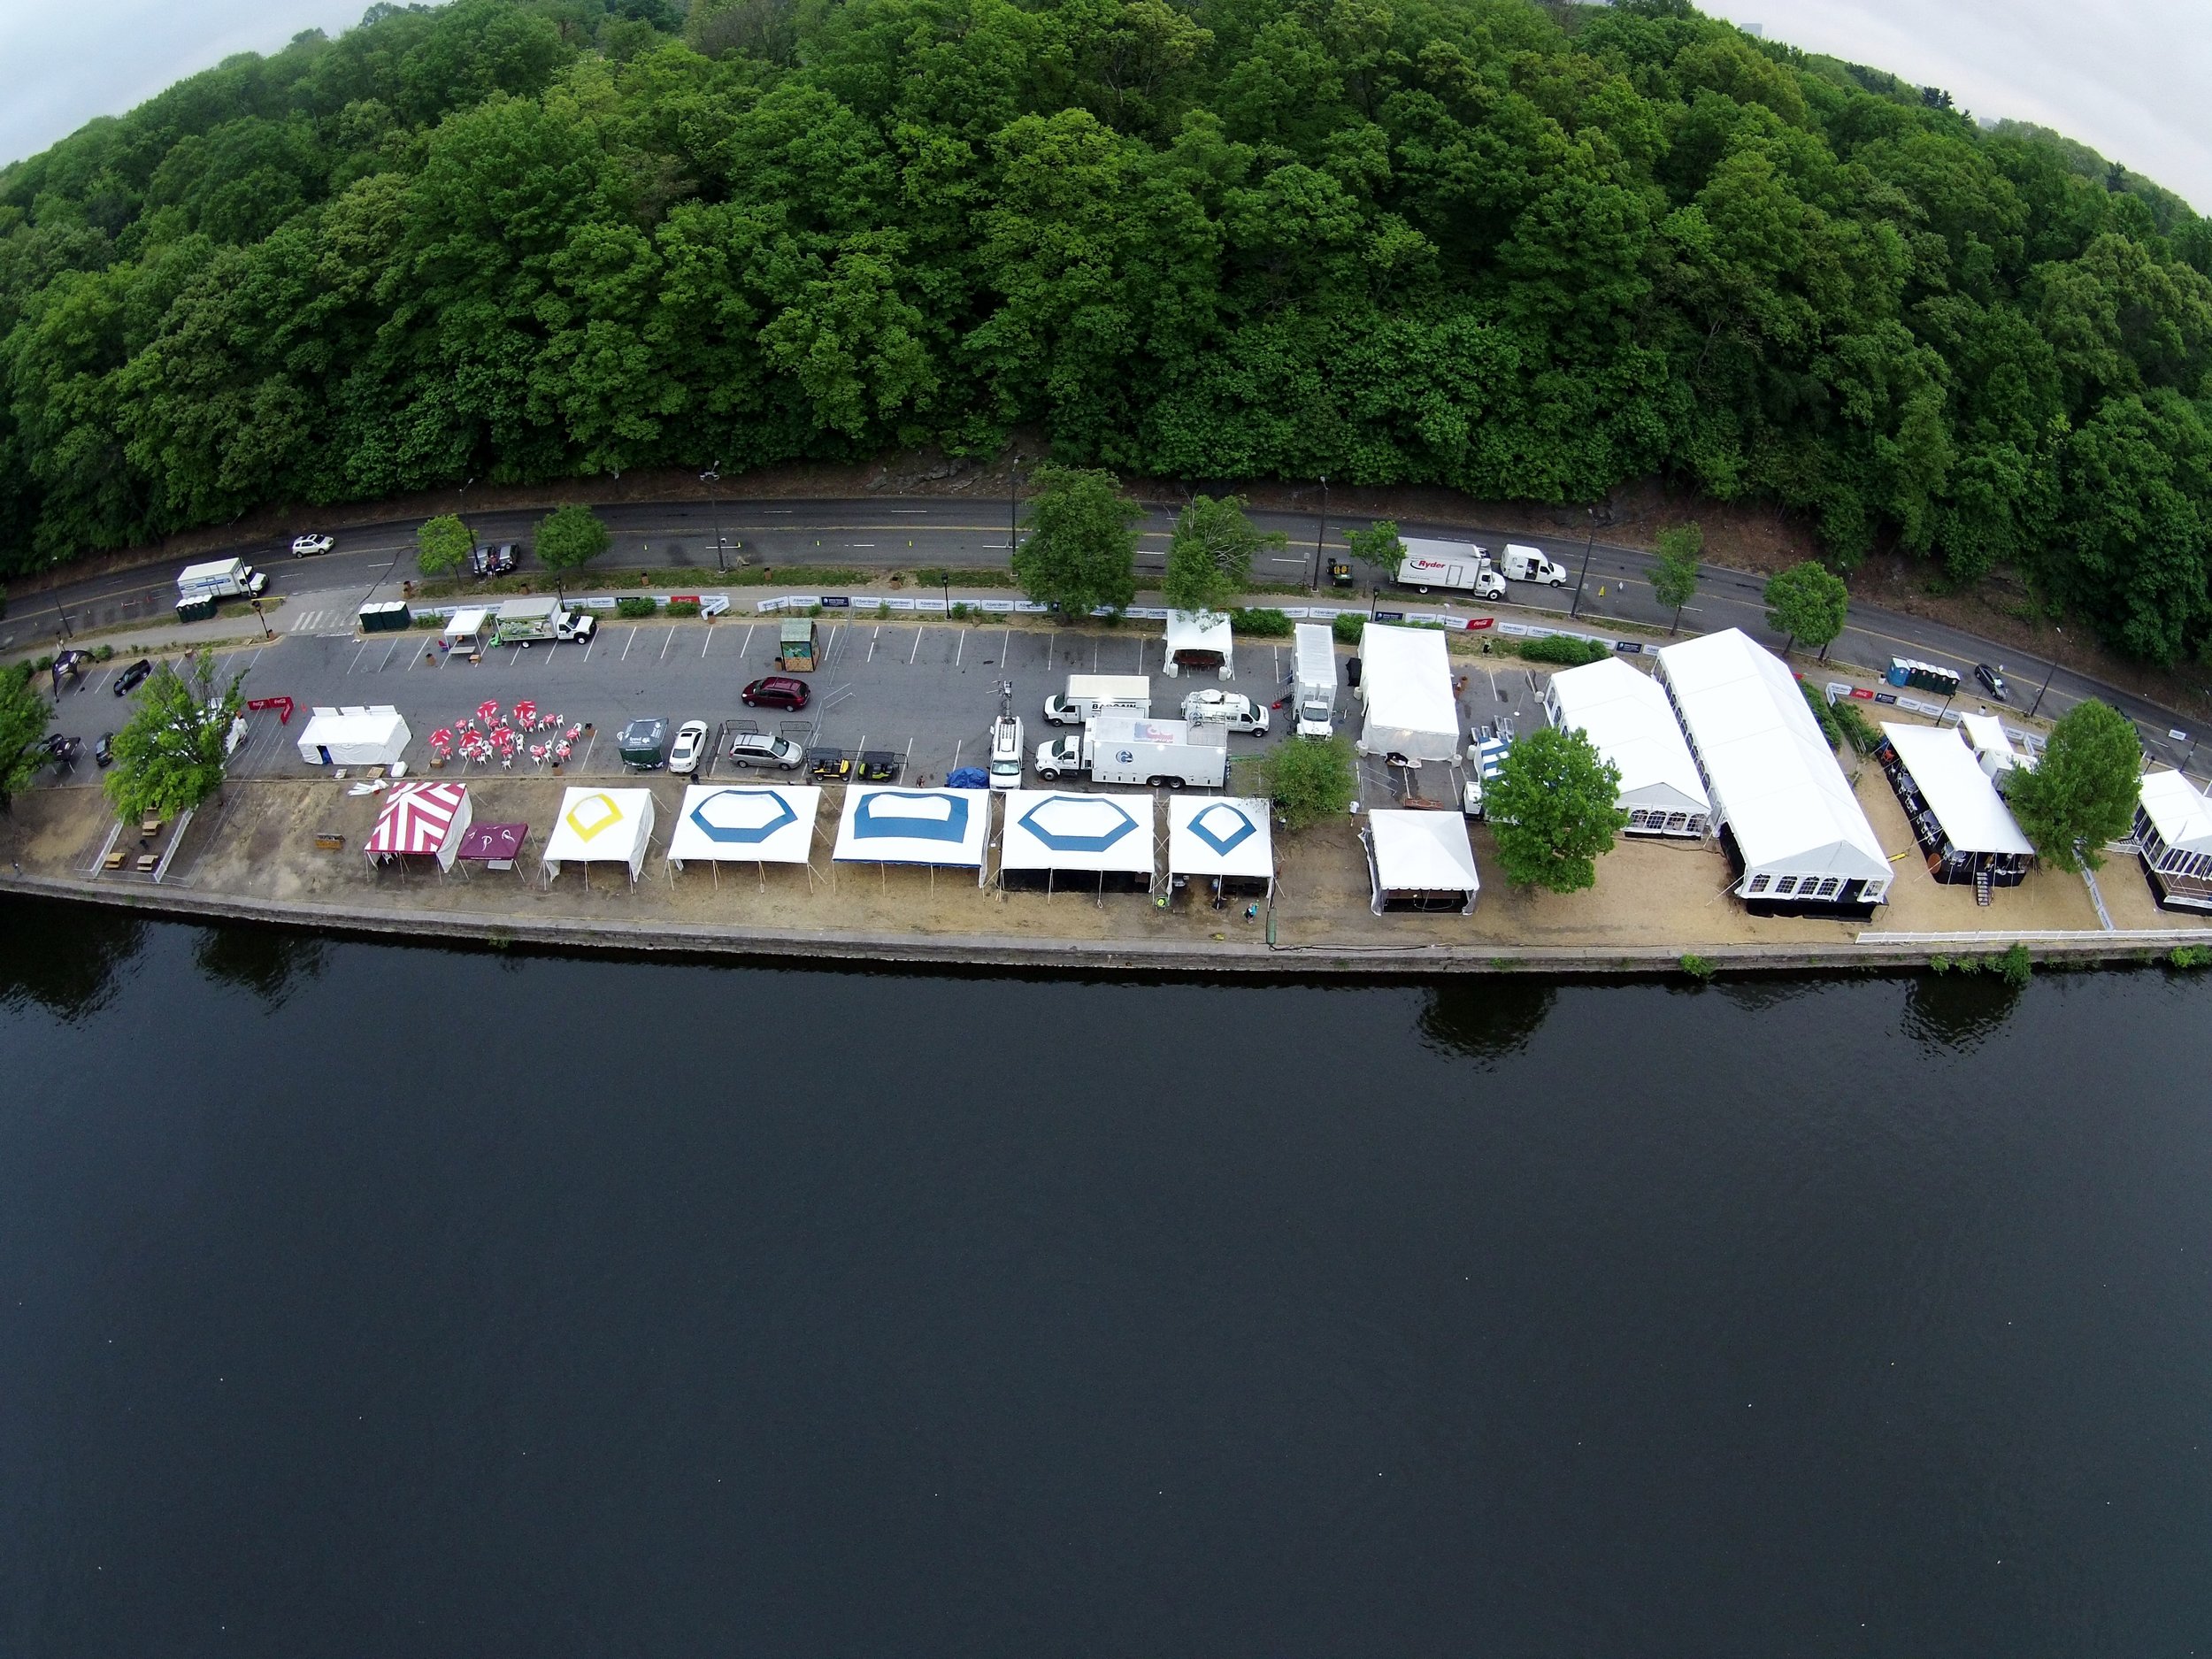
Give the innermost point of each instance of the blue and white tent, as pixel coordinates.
(1220, 837)
(1054, 833)
(883, 824)
(745, 823)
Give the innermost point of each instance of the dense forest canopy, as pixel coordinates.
(1526, 252)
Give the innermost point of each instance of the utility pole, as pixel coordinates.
(1013, 508)
(262, 617)
(2046, 680)
(1588, 543)
(711, 478)
(1320, 530)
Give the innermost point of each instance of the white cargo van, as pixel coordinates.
(1526, 564)
(1090, 695)
(1315, 697)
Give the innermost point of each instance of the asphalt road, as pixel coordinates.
(902, 533)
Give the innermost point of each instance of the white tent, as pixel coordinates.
(1627, 718)
(1991, 744)
(612, 826)
(1419, 857)
(1974, 817)
(751, 824)
(1051, 832)
(886, 825)
(1406, 688)
(1196, 640)
(419, 818)
(1226, 837)
(2174, 811)
(470, 630)
(353, 737)
(1771, 777)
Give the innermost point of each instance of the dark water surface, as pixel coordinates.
(367, 1300)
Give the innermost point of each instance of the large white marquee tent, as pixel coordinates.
(883, 824)
(749, 823)
(1225, 838)
(1406, 688)
(1772, 779)
(1627, 718)
(609, 826)
(1959, 820)
(1416, 860)
(1051, 833)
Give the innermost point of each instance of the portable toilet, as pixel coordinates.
(794, 652)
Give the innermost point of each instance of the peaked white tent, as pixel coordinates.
(1775, 786)
(2173, 829)
(883, 825)
(418, 820)
(1227, 838)
(1959, 820)
(1420, 861)
(612, 826)
(353, 737)
(1991, 744)
(1406, 688)
(1201, 642)
(1052, 832)
(745, 823)
(1627, 718)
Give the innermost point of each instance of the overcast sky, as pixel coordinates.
(2130, 78)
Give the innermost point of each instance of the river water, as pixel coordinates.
(358, 1299)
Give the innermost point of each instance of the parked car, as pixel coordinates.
(493, 559)
(307, 547)
(1992, 680)
(133, 677)
(776, 691)
(691, 743)
(759, 748)
(103, 751)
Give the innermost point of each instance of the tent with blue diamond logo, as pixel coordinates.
(1050, 832)
(1225, 838)
(753, 824)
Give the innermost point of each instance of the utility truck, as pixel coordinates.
(220, 578)
(1526, 564)
(1090, 695)
(1315, 695)
(1006, 742)
(1461, 566)
(526, 621)
(1232, 709)
(1122, 749)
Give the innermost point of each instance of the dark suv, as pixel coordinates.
(777, 691)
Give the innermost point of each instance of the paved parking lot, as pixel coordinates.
(926, 692)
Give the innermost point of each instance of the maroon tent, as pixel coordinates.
(495, 846)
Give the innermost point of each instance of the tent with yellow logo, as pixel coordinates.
(601, 826)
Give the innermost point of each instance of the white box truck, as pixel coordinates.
(1090, 695)
(1314, 696)
(1461, 566)
(220, 578)
(1526, 564)
(523, 621)
(1162, 754)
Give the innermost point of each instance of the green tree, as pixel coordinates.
(1310, 780)
(1379, 547)
(169, 754)
(24, 717)
(569, 537)
(1674, 578)
(1553, 809)
(1808, 601)
(1081, 549)
(2083, 791)
(1209, 557)
(443, 545)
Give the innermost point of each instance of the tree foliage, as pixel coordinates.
(1552, 809)
(1209, 556)
(25, 718)
(1379, 547)
(443, 545)
(1521, 250)
(1308, 779)
(1674, 578)
(1808, 601)
(2083, 793)
(1081, 549)
(569, 537)
(169, 754)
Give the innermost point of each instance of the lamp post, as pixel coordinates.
(2047, 679)
(711, 478)
(1013, 507)
(262, 617)
(1588, 543)
(1320, 529)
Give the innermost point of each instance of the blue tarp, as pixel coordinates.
(967, 777)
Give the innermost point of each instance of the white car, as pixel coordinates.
(305, 547)
(1232, 709)
(691, 743)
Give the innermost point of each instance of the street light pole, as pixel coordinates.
(1013, 508)
(2046, 680)
(1589, 542)
(262, 617)
(711, 478)
(1320, 529)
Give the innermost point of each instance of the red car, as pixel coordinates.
(777, 691)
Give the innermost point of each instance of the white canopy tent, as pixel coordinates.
(751, 824)
(420, 820)
(1991, 744)
(1406, 688)
(1196, 640)
(1228, 838)
(1052, 832)
(1959, 820)
(469, 630)
(1775, 786)
(883, 824)
(610, 826)
(353, 737)
(1416, 858)
(1627, 718)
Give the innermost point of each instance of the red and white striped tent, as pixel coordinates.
(421, 819)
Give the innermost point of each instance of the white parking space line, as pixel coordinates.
(102, 680)
(665, 643)
(707, 645)
(593, 646)
(625, 647)
(1005, 644)
(917, 651)
(872, 638)
(358, 656)
(387, 663)
(746, 644)
(960, 648)
(956, 743)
